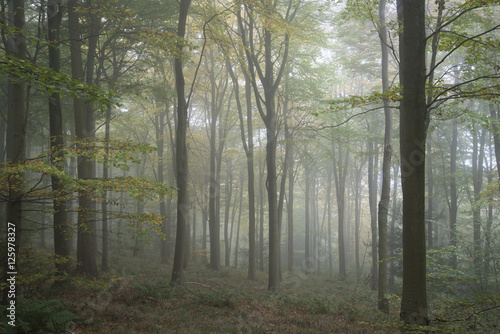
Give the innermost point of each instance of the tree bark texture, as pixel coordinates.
(181, 153)
(412, 142)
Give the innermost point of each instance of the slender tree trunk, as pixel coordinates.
(412, 141)
(383, 207)
(261, 216)
(372, 199)
(86, 252)
(237, 245)
(61, 224)
(307, 214)
(430, 194)
(392, 232)
(289, 203)
(340, 176)
(181, 152)
(214, 187)
(228, 195)
(329, 213)
(477, 181)
(453, 208)
(105, 175)
(160, 144)
(357, 219)
(495, 125)
(247, 142)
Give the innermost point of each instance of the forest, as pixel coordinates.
(250, 166)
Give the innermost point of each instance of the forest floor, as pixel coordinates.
(136, 297)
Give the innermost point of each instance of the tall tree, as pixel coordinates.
(86, 252)
(61, 226)
(413, 117)
(247, 142)
(269, 74)
(383, 206)
(340, 174)
(181, 150)
(453, 201)
(16, 127)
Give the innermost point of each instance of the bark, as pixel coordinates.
(453, 207)
(61, 224)
(392, 232)
(329, 210)
(477, 181)
(261, 215)
(16, 133)
(270, 82)
(181, 153)
(430, 194)
(228, 196)
(412, 141)
(357, 218)
(214, 187)
(289, 203)
(372, 199)
(340, 176)
(237, 245)
(86, 252)
(105, 175)
(307, 214)
(495, 125)
(383, 207)
(160, 144)
(247, 142)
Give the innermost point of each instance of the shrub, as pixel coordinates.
(40, 316)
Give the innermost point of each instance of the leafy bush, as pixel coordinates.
(40, 316)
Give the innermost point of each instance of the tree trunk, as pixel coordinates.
(329, 213)
(307, 214)
(86, 252)
(289, 202)
(340, 176)
(247, 142)
(383, 207)
(477, 181)
(430, 194)
(357, 217)
(228, 195)
(105, 175)
(453, 208)
(240, 210)
(372, 199)
(16, 136)
(495, 125)
(412, 142)
(61, 226)
(181, 152)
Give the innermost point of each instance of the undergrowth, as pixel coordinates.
(138, 298)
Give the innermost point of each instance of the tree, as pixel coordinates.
(340, 173)
(383, 206)
(61, 226)
(181, 150)
(413, 112)
(16, 129)
(84, 129)
(269, 74)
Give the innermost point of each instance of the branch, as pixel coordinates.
(460, 44)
